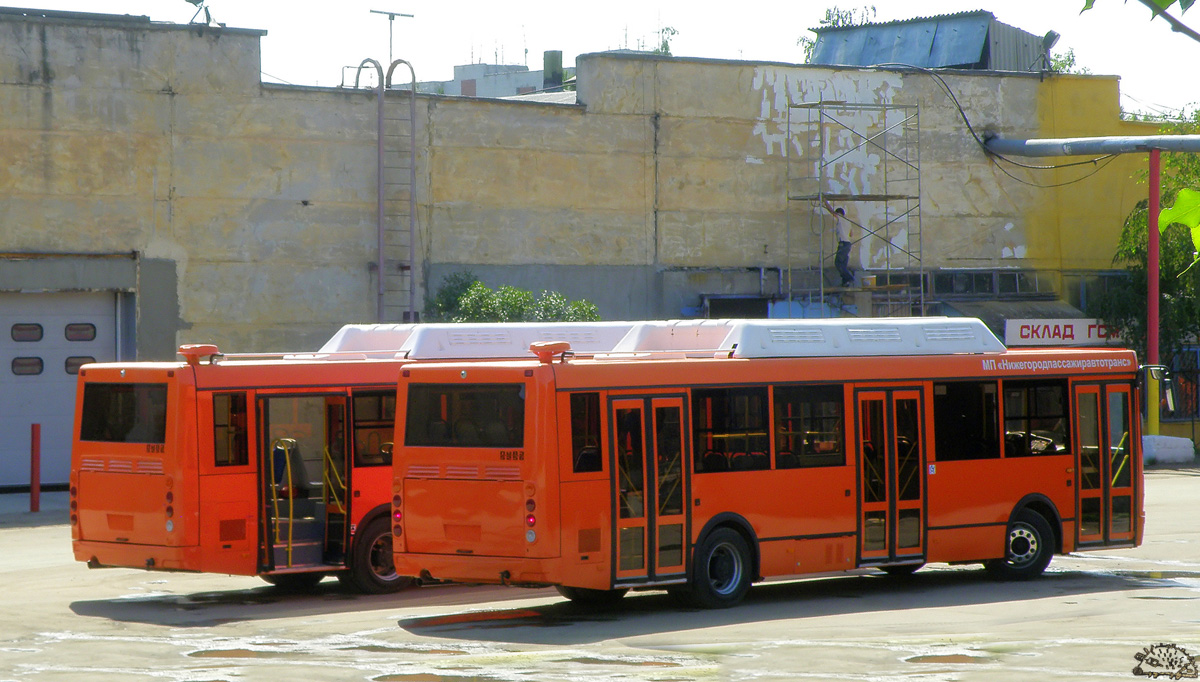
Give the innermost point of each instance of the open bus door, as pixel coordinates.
(1104, 464)
(891, 487)
(302, 454)
(650, 486)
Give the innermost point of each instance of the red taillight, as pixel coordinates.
(531, 521)
(530, 505)
(397, 515)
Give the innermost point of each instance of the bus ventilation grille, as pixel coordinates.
(121, 466)
(478, 338)
(874, 335)
(797, 336)
(950, 334)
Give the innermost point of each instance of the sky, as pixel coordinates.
(320, 43)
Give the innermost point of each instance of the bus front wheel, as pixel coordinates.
(372, 568)
(591, 597)
(721, 571)
(1028, 548)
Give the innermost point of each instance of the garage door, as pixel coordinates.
(43, 340)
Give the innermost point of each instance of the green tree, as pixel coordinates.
(463, 298)
(1124, 303)
(1159, 8)
(665, 34)
(836, 18)
(1064, 62)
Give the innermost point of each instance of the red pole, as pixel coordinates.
(35, 467)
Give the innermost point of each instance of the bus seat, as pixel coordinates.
(760, 460)
(466, 432)
(587, 459)
(741, 462)
(786, 460)
(439, 432)
(495, 433)
(299, 483)
(715, 461)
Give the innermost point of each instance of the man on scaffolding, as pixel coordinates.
(841, 228)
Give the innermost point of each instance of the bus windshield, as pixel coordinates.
(466, 415)
(124, 413)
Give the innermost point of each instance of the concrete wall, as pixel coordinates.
(250, 209)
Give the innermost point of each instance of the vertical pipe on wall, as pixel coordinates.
(412, 185)
(379, 195)
(1152, 293)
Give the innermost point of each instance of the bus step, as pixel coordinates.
(302, 529)
(303, 554)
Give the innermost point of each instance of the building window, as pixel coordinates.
(26, 331)
(26, 366)
(80, 331)
(74, 362)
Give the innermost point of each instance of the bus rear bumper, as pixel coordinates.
(146, 557)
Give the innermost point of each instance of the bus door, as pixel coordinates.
(650, 487)
(891, 487)
(1104, 464)
(302, 452)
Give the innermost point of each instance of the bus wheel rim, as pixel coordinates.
(725, 568)
(382, 564)
(1022, 545)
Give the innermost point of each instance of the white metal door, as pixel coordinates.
(43, 340)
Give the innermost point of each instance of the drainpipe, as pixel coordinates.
(412, 183)
(1152, 400)
(378, 183)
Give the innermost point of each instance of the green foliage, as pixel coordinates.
(1124, 304)
(1184, 5)
(445, 302)
(1064, 62)
(473, 301)
(837, 18)
(665, 34)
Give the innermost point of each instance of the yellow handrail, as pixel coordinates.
(287, 445)
(337, 478)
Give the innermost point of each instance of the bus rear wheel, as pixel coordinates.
(591, 597)
(372, 568)
(720, 573)
(1028, 548)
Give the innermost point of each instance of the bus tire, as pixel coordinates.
(591, 597)
(372, 569)
(721, 571)
(293, 582)
(1028, 548)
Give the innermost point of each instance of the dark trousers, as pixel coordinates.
(842, 262)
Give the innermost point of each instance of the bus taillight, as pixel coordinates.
(397, 515)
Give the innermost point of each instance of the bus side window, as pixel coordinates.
(585, 433)
(1035, 418)
(966, 420)
(374, 422)
(808, 426)
(730, 429)
(231, 443)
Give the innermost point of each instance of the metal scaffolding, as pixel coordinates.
(864, 158)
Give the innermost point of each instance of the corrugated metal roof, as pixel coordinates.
(968, 40)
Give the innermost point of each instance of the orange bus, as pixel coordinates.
(788, 448)
(270, 465)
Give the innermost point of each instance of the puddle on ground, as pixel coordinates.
(381, 649)
(430, 677)
(946, 658)
(241, 653)
(606, 661)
